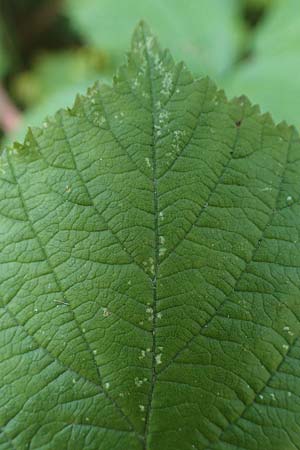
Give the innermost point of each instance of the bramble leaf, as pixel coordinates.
(149, 277)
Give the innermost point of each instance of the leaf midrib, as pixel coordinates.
(156, 245)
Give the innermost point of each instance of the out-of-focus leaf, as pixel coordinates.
(54, 82)
(4, 57)
(271, 75)
(3, 61)
(56, 72)
(258, 3)
(280, 31)
(206, 34)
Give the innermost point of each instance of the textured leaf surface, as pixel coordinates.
(149, 277)
(206, 34)
(270, 76)
(62, 98)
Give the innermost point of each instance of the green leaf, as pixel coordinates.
(149, 278)
(3, 61)
(258, 3)
(207, 34)
(53, 84)
(280, 31)
(57, 71)
(63, 97)
(270, 77)
(4, 58)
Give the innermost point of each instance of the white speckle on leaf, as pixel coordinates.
(162, 251)
(105, 312)
(267, 189)
(107, 385)
(102, 120)
(151, 265)
(149, 43)
(176, 140)
(135, 84)
(158, 359)
(158, 64)
(149, 311)
(138, 47)
(138, 382)
(61, 302)
(167, 83)
(163, 116)
(158, 130)
(148, 162)
(142, 355)
(142, 408)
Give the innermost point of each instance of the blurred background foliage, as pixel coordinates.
(50, 50)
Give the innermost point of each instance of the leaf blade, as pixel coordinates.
(169, 220)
